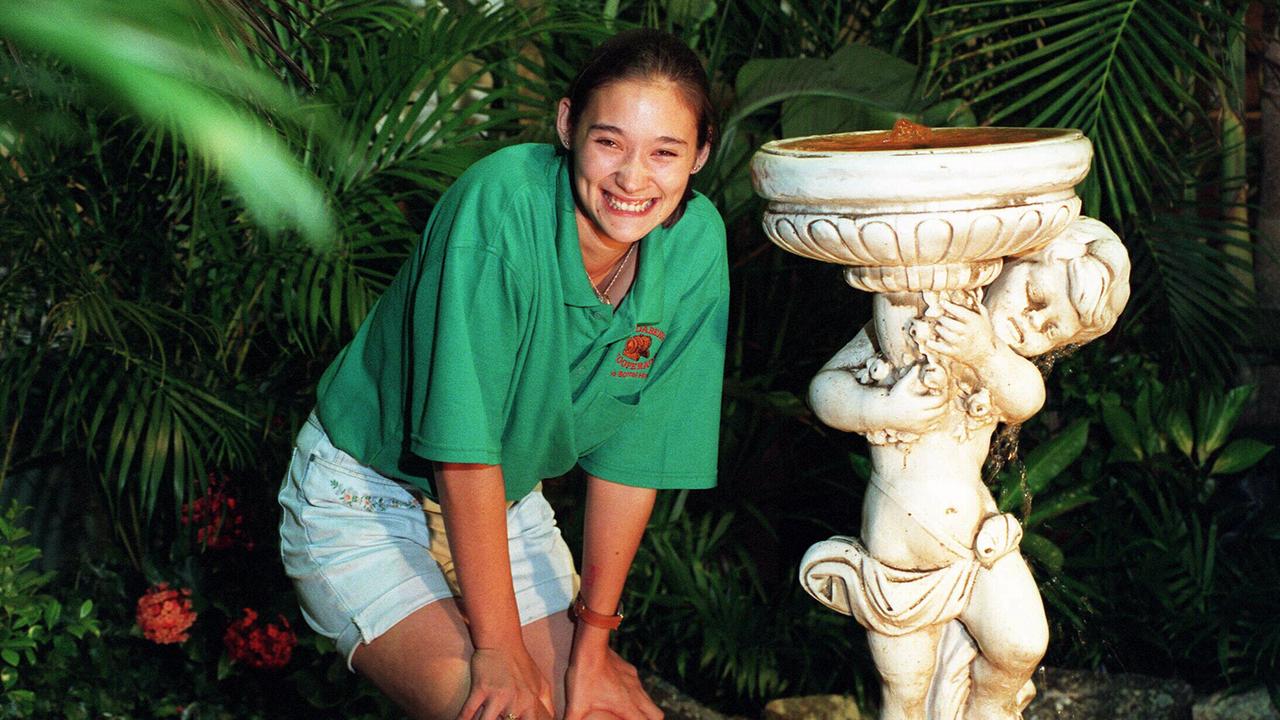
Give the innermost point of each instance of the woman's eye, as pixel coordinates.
(607, 142)
(665, 153)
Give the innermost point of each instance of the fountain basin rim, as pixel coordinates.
(785, 146)
(921, 179)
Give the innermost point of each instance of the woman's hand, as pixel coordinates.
(608, 684)
(506, 684)
(964, 335)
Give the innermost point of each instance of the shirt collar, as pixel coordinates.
(645, 297)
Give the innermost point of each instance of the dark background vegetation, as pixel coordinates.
(199, 201)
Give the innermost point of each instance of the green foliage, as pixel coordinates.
(700, 613)
(1181, 546)
(39, 635)
(1143, 79)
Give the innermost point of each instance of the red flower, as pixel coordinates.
(638, 346)
(221, 523)
(164, 615)
(265, 646)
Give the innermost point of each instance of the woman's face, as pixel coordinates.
(633, 151)
(1030, 308)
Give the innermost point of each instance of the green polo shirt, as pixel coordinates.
(490, 346)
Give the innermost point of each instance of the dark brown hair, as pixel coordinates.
(646, 54)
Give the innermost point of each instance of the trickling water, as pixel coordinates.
(1004, 443)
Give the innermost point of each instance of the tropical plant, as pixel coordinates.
(1179, 539)
(155, 324)
(36, 636)
(1153, 83)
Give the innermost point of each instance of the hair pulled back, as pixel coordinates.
(645, 54)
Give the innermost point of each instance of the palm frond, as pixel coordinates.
(1121, 72)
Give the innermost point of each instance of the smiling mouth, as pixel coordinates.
(638, 207)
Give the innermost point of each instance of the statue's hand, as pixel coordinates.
(913, 407)
(963, 335)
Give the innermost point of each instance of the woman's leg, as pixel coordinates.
(423, 662)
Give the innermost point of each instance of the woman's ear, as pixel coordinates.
(703, 153)
(563, 128)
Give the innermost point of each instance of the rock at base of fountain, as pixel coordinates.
(1081, 695)
(813, 707)
(1253, 705)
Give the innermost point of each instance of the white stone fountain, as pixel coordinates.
(971, 241)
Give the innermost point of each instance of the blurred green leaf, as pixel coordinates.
(1178, 425)
(1052, 456)
(159, 72)
(1124, 432)
(1044, 551)
(1216, 417)
(1240, 455)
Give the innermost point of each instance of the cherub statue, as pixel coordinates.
(955, 622)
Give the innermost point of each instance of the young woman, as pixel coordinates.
(567, 306)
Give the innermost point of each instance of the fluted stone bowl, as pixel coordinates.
(936, 217)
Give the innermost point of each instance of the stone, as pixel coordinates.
(1082, 695)
(813, 707)
(1253, 705)
(675, 704)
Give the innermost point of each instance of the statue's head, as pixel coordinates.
(1069, 292)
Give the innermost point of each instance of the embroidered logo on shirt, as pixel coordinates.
(636, 356)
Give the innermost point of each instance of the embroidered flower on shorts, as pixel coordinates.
(637, 346)
(370, 503)
(260, 645)
(164, 614)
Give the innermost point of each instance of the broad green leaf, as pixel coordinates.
(1239, 455)
(1051, 457)
(1218, 417)
(10, 657)
(1124, 432)
(690, 12)
(1043, 550)
(1178, 425)
(868, 77)
(1058, 504)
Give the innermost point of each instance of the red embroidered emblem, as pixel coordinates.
(637, 355)
(638, 347)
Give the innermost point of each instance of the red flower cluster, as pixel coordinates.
(265, 646)
(164, 615)
(221, 524)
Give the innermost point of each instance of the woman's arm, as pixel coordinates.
(504, 678)
(598, 679)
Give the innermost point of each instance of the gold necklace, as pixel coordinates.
(603, 295)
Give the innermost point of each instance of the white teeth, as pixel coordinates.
(634, 207)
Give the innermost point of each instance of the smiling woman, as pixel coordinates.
(564, 305)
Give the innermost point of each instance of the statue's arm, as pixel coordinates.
(1015, 383)
(841, 402)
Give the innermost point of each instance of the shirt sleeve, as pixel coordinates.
(465, 335)
(672, 439)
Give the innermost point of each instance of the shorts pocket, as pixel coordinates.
(328, 482)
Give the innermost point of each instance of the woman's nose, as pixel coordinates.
(632, 174)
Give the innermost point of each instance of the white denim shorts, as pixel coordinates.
(365, 551)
